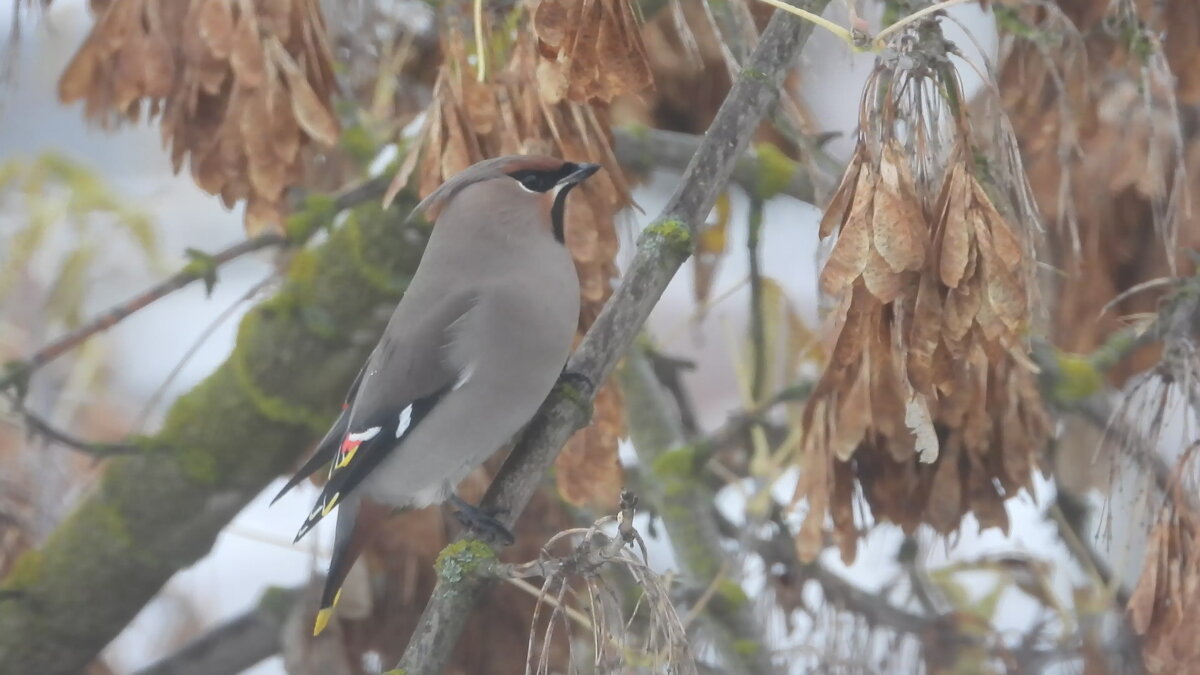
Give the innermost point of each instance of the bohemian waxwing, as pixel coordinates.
(475, 345)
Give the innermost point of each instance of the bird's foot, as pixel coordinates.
(482, 521)
(578, 380)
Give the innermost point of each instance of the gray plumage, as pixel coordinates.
(491, 313)
(476, 343)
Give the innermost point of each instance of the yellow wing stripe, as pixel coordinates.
(333, 500)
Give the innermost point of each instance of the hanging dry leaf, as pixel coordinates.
(241, 87)
(922, 402)
(590, 50)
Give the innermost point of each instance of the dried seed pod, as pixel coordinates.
(242, 87)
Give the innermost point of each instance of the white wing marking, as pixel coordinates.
(405, 420)
(365, 435)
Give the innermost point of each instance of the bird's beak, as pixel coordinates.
(582, 172)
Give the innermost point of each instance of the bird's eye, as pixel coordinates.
(535, 181)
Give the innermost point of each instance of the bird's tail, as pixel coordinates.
(357, 521)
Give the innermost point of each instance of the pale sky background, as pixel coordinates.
(255, 551)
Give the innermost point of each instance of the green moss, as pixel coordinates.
(106, 520)
(277, 601)
(676, 472)
(315, 212)
(672, 233)
(731, 593)
(304, 267)
(775, 171)
(201, 266)
(357, 143)
(395, 671)
(576, 397)
(459, 560)
(199, 465)
(380, 278)
(26, 571)
(677, 463)
(1077, 378)
(274, 408)
(746, 648)
(754, 75)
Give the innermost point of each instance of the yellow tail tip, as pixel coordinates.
(325, 613)
(322, 620)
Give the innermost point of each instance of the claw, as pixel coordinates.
(482, 521)
(578, 380)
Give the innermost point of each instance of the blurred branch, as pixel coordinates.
(202, 266)
(642, 149)
(160, 510)
(1178, 321)
(34, 424)
(663, 247)
(1075, 383)
(685, 504)
(758, 325)
(235, 645)
(945, 631)
(645, 149)
(669, 371)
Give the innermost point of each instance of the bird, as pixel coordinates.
(473, 348)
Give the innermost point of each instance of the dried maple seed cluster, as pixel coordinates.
(924, 405)
(1101, 107)
(1119, 112)
(1160, 609)
(242, 86)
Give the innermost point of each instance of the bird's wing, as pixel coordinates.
(327, 448)
(402, 381)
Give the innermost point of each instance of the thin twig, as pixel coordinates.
(758, 327)
(194, 349)
(882, 35)
(202, 267)
(34, 424)
(641, 149)
(21, 370)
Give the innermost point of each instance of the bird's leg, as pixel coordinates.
(578, 380)
(579, 389)
(482, 521)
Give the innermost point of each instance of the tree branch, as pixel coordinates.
(663, 247)
(684, 501)
(34, 424)
(235, 645)
(160, 509)
(642, 149)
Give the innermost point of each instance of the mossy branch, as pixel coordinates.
(684, 501)
(159, 510)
